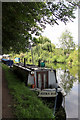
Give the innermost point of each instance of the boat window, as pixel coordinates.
(45, 81)
(39, 80)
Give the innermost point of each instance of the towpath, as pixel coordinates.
(7, 111)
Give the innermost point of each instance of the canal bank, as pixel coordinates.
(69, 82)
(26, 103)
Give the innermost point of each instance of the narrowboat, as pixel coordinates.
(7, 62)
(42, 80)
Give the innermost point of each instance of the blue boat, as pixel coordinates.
(7, 62)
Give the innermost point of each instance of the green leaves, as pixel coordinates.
(66, 41)
(22, 19)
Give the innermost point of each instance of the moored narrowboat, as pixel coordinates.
(42, 80)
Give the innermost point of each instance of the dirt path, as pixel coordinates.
(7, 111)
(0, 93)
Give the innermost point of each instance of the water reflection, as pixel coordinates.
(71, 102)
(65, 79)
(68, 79)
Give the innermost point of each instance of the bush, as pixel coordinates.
(61, 59)
(73, 58)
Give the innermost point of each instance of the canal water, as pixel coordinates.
(68, 79)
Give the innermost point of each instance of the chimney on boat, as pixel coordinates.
(24, 62)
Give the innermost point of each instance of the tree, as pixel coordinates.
(21, 20)
(66, 42)
(42, 43)
(47, 46)
(43, 40)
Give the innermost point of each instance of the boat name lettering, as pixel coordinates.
(46, 93)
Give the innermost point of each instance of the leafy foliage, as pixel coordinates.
(67, 43)
(43, 39)
(22, 19)
(73, 57)
(45, 50)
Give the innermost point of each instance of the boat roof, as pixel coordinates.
(32, 67)
(6, 55)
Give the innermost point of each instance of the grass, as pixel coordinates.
(27, 104)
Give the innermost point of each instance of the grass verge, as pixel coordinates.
(27, 105)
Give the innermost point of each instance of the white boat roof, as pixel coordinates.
(5, 55)
(32, 67)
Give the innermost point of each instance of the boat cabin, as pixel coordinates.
(38, 77)
(42, 78)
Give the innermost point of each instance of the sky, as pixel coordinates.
(53, 33)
